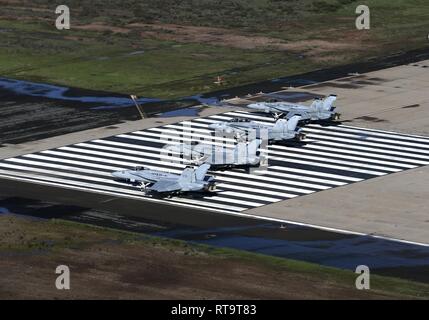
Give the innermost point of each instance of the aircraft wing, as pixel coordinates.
(165, 186)
(280, 108)
(240, 128)
(303, 114)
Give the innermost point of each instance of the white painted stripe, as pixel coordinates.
(254, 190)
(161, 141)
(62, 167)
(113, 182)
(125, 193)
(60, 174)
(355, 164)
(228, 142)
(189, 128)
(316, 173)
(259, 184)
(374, 133)
(251, 116)
(249, 196)
(103, 160)
(170, 138)
(361, 129)
(239, 214)
(347, 163)
(267, 117)
(207, 133)
(388, 142)
(176, 141)
(214, 206)
(236, 201)
(318, 164)
(118, 156)
(294, 176)
(341, 156)
(166, 132)
(279, 181)
(207, 121)
(73, 162)
(384, 131)
(374, 155)
(127, 145)
(357, 147)
(195, 124)
(132, 164)
(362, 142)
(223, 118)
(70, 182)
(158, 155)
(269, 124)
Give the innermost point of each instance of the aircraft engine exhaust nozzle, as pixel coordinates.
(336, 116)
(211, 187)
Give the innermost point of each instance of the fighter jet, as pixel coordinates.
(320, 110)
(160, 182)
(243, 154)
(282, 130)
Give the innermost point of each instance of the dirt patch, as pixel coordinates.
(101, 27)
(229, 38)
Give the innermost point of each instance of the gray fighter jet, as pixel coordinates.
(282, 130)
(243, 155)
(320, 110)
(160, 182)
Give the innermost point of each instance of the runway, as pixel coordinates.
(333, 156)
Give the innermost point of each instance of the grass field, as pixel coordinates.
(170, 49)
(105, 263)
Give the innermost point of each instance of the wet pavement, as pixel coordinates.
(33, 111)
(288, 241)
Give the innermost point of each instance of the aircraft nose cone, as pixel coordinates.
(118, 174)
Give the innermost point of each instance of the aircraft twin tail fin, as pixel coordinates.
(328, 102)
(201, 171)
(287, 125)
(280, 125)
(293, 123)
(245, 151)
(253, 147)
(188, 175)
(193, 175)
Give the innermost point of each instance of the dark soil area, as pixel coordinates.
(111, 265)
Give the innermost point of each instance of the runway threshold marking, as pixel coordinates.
(333, 156)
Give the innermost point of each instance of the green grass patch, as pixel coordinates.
(33, 49)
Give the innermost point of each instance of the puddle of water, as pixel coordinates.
(204, 100)
(3, 210)
(296, 82)
(344, 252)
(292, 242)
(63, 93)
(190, 112)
